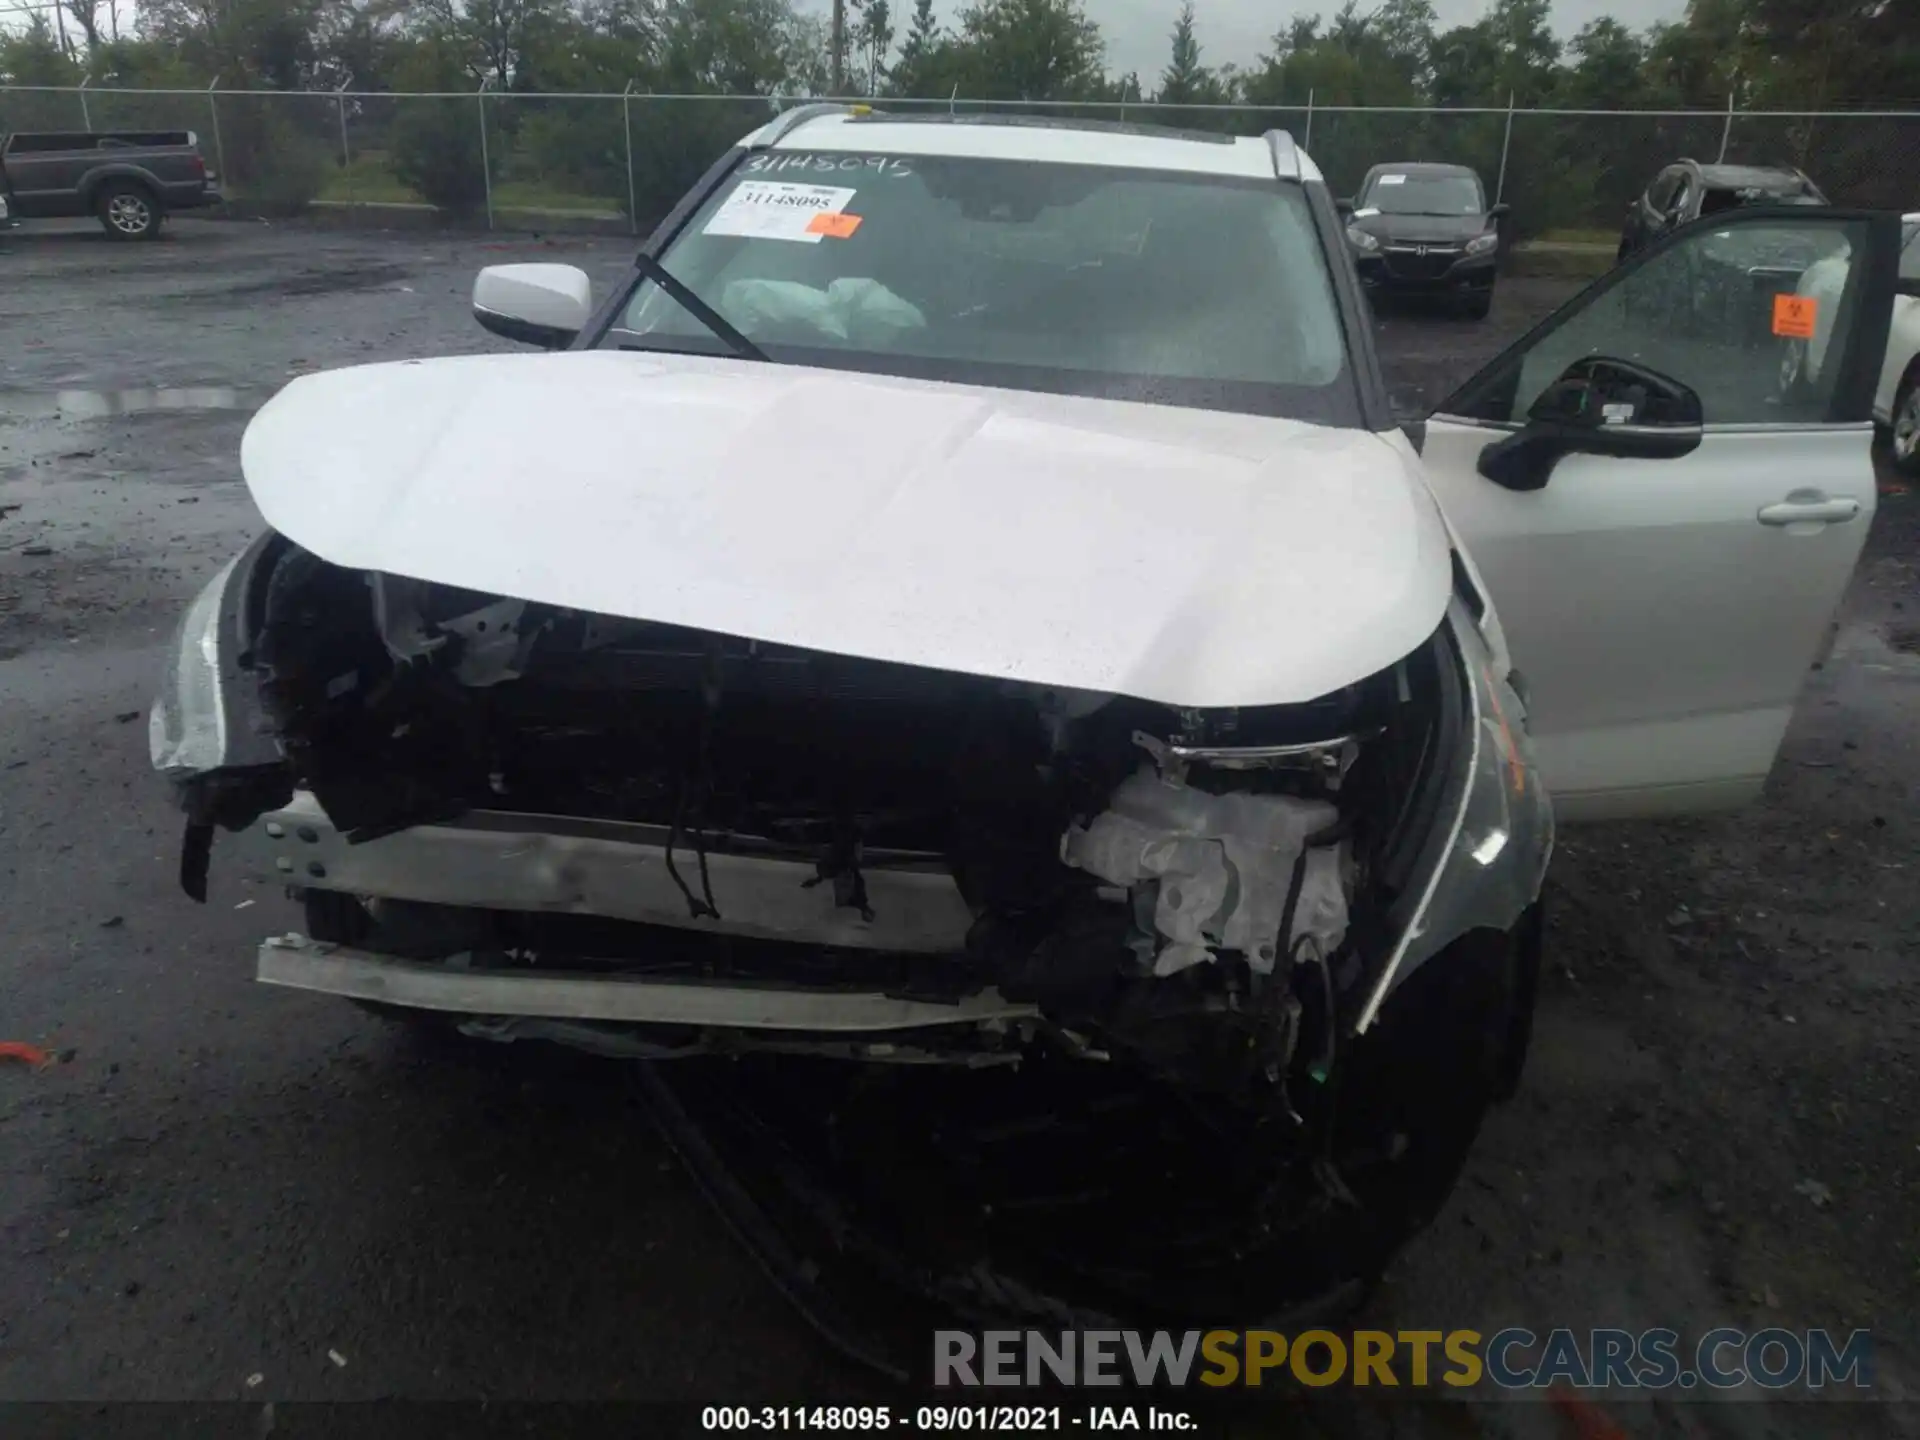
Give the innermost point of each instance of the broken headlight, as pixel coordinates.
(187, 727)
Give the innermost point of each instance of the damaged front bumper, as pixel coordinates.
(1200, 869)
(457, 985)
(553, 865)
(1177, 1009)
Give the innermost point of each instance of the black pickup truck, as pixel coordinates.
(130, 179)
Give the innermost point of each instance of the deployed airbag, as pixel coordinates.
(859, 311)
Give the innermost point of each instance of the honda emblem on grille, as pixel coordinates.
(1420, 250)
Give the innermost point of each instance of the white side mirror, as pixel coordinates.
(544, 305)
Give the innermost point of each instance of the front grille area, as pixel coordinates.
(1406, 263)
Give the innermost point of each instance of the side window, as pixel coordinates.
(1751, 315)
(1910, 255)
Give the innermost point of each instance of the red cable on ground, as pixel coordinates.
(26, 1054)
(1590, 1422)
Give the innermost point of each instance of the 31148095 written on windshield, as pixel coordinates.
(1194, 290)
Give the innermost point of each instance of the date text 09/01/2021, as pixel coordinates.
(943, 1419)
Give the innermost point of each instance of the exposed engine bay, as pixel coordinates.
(1140, 947)
(1196, 888)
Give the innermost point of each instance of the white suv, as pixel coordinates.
(966, 599)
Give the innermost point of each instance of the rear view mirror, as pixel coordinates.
(1598, 406)
(1599, 391)
(544, 305)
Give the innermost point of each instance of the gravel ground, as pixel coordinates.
(226, 1192)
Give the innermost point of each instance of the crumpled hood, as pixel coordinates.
(1190, 557)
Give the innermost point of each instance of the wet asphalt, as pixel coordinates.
(226, 1192)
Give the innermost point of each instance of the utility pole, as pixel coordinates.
(839, 44)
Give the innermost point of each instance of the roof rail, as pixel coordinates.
(1286, 158)
(787, 121)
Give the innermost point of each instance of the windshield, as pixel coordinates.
(1397, 194)
(1190, 290)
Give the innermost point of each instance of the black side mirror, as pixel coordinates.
(1598, 406)
(1500, 211)
(1905, 286)
(1344, 208)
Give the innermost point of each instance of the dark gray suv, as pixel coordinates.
(1687, 189)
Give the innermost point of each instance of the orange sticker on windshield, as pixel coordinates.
(1793, 316)
(833, 223)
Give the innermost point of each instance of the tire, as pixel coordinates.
(1476, 307)
(1448, 1045)
(1412, 1094)
(1903, 439)
(128, 210)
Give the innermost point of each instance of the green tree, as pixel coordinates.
(923, 34)
(1031, 50)
(1510, 52)
(434, 144)
(1356, 59)
(270, 44)
(873, 40)
(32, 55)
(1185, 81)
(1695, 62)
(930, 64)
(736, 47)
(1402, 31)
(1609, 70)
(1820, 54)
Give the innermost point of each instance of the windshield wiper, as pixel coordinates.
(698, 308)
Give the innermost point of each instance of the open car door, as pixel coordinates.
(1665, 487)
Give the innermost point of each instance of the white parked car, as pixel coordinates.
(965, 598)
(1896, 402)
(1896, 399)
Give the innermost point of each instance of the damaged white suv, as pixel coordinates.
(966, 600)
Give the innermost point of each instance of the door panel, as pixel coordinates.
(1662, 629)
(1662, 622)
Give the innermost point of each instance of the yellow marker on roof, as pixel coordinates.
(860, 109)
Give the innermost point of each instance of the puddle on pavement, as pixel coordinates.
(181, 495)
(74, 405)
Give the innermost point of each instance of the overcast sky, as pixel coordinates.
(1239, 31)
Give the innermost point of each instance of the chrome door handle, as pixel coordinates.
(1803, 507)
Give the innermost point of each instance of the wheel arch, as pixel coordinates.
(98, 178)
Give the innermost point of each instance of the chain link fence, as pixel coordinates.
(623, 159)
